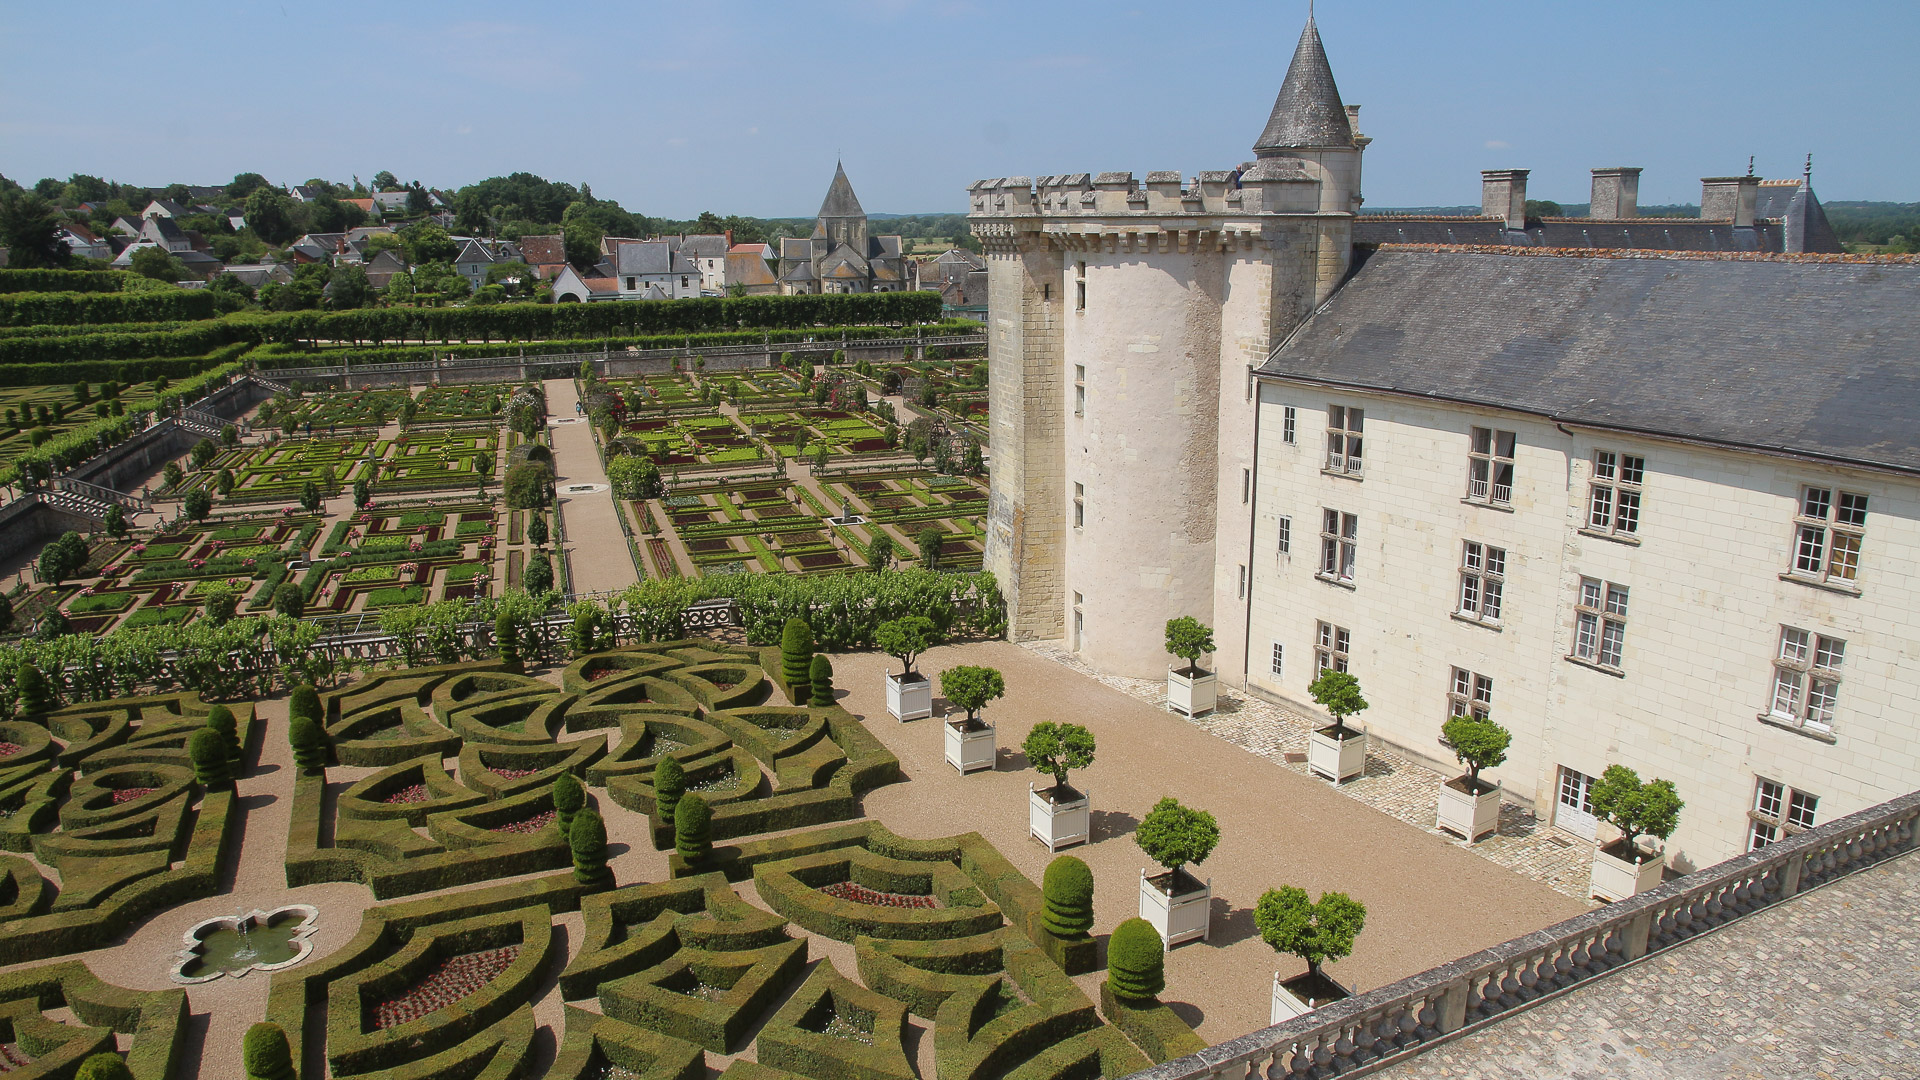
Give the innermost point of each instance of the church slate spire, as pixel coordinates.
(1307, 115)
(841, 202)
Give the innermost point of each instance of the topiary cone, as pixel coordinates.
(568, 799)
(796, 660)
(1067, 891)
(669, 783)
(220, 720)
(304, 701)
(208, 752)
(265, 1055)
(693, 828)
(588, 841)
(1136, 961)
(309, 741)
(820, 681)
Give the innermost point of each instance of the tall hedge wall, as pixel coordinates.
(51, 281)
(78, 308)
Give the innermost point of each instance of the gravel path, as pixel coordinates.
(598, 561)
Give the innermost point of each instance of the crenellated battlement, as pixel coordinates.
(1304, 184)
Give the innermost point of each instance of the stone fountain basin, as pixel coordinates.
(304, 919)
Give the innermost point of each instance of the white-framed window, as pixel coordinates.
(1806, 678)
(1613, 497)
(1344, 429)
(1279, 659)
(1289, 425)
(1469, 694)
(1079, 506)
(1483, 581)
(1079, 389)
(1490, 466)
(1778, 809)
(1600, 623)
(1827, 534)
(1339, 545)
(1330, 645)
(1286, 534)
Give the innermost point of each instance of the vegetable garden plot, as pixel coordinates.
(20, 414)
(278, 471)
(343, 408)
(691, 440)
(167, 578)
(466, 401)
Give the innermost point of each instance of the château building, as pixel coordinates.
(1644, 490)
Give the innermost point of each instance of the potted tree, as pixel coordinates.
(1637, 809)
(1060, 816)
(1314, 932)
(1469, 806)
(1337, 752)
(1178, 904)
(1190, 690)
(909, 694)
(969, 739)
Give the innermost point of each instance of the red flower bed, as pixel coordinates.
(8, 749)
(412, 793)
(12, 1057)
(531, 825)
(128, 794)
(511, 774)
(455, 978)
(860, 894)
(598, 673)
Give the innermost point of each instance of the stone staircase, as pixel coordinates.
(200, 423)
(88, 500)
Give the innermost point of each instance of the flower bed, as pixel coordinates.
(528, 825)
(412, 793)
(128, 794)
(860, 894)
(454, 979)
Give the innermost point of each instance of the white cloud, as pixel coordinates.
(1497, 144)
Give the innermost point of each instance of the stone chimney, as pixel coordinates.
(1729, 198)
(1616, 193)
(1503, 194)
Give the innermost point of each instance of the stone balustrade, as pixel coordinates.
(1372, 1029)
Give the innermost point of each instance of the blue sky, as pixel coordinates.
(741, 107)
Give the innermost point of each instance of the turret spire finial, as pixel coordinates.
(1806, 177)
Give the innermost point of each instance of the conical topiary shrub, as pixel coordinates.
(35, 696)
(1068, 893)
(309, 742)
(820, 681)
(107, 1066)
(796, 660)
(1136, 961)
(265, 1055)
(669, 783)
(304, 701)
(693, 828)
(568, 799)
(220, 721)
(506, 639)
(588, 840)
(208, 752)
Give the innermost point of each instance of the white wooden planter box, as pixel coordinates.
(969, 750)
(1059, 824)
(909, 699)
(1187, 916)
(1288, 1004)
(1193, 695)
(1466, 814)
(1337, 759)
(1615, 878)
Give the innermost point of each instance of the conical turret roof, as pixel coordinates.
(1807, 227)
(1308, 114)
(840, 198)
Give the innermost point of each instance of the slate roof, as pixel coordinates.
(1774, 198)
(1806, 224)
(1645, 234)
(840, 201)
(1307, 113)
(704, 246)
(748, 268)
(1816, 356)
(643, 257)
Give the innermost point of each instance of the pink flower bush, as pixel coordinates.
(453, 980)
(87, 591)
(413, 545)
(198, 563)
(286, 511)
(412, 793)
(139, 547)
(128, 794)
(249, 562)
(531, 825)
(860, 894)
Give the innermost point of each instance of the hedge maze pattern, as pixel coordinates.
(665, 972)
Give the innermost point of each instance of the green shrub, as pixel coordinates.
(1054, 748)
(265, 1055)
(1637, 809)
(1136, 961)
(1477, 744)
(506, 638)
(1188, 638)
(971, 687)
(208, 752)
(107, 1066)
(289, 600)
(796, 660)
(309, 741)
(820, 681)
(1338, 692)
(669, 783)
(1174, 835)
(304, 700)
(904, 639)
(220, 721)
(1314, 932)
(1067, 890)
(587, 838)
(693, 828)
(569, 798)
(35, 696)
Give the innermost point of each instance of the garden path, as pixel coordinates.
(598, 557)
